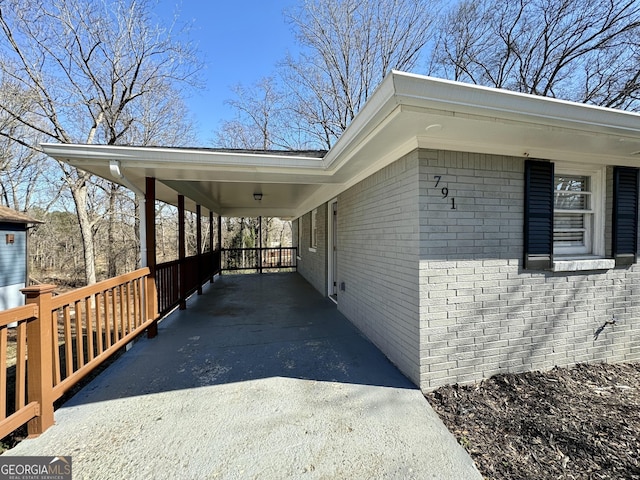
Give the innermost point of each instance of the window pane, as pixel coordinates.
(573, 214)
(571, 192)
(314, 229)
(564, 221)
(572, 183)
(571, 201)
(569, 229)
(568, 239)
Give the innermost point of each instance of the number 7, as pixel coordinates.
(438, 178)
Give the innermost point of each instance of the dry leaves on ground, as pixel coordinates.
(573, 423)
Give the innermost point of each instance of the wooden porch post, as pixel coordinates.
(40, 357)
(211, 267)
(150, 219)
(182, 254)
(199, 245)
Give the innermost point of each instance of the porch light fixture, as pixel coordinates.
(257, 196)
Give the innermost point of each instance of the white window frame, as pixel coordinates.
(594, 235)
(314, 231)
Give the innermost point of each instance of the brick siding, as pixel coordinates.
(312, 265)
(378, 240)
(481, 313)
(442, 291)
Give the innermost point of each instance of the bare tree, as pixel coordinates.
(99, 71)
(348, 48)
(236, 134)
(22, 170)
(257, 110)
(582, 50)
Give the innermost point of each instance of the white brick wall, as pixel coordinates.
(378, 240)
(312, 265)
(480, 313)
(442, 291)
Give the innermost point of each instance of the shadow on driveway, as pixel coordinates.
(259, 378)
(247, 327)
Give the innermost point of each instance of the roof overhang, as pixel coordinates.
(406, 112)
(8, 215)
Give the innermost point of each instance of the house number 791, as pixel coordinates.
(444, 191)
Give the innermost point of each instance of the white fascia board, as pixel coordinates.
(377, 107)
(452, 98)
(447, 95)
(157, 157)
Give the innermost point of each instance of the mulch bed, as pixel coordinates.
(568, 423)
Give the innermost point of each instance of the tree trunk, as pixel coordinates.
(111, 254)
(79, 193)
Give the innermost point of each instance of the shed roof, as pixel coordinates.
(9, 215)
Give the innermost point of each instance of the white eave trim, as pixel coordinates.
(158, 157)
(447, 95)
(397, 89)
(399, 95)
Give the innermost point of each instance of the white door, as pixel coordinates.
(334, 250)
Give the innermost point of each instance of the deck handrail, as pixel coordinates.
(21, 411)
(61, 339)
(259, 258)
(177, 279)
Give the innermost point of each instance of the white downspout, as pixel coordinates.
(114, 167)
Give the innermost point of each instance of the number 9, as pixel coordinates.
(445, 192)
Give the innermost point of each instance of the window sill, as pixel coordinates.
(311, 249)
(580, 264)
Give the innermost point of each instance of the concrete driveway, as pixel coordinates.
(260, 378)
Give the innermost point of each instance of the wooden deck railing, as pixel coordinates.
(95, 321)
(59, 340)
(259, 259)
(176, 280)
(168, 283)
(14, 409)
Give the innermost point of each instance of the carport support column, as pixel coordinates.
(182, 254)
(150, 220)
(212, 268)
(199, 245)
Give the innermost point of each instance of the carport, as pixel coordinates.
(261, 377)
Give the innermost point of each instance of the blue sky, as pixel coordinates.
(240, 42)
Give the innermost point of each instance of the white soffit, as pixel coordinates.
(405, 112)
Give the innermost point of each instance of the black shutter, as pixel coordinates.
(625, 215)
(538, 215)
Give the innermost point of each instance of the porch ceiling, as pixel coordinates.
(407, 111)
